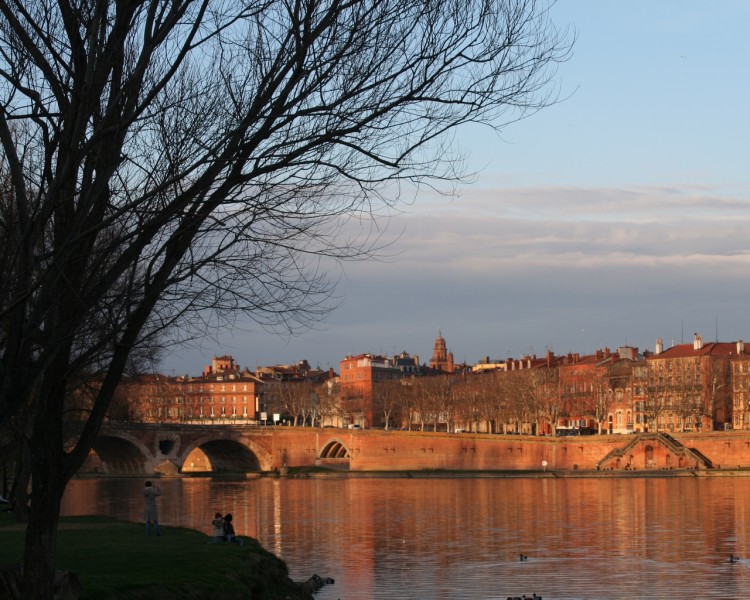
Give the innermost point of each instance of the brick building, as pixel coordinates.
(441, 360)
(223, 391)
(690, 387)
(360, 378)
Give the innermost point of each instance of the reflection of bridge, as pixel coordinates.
(141, 449)
(129, 448)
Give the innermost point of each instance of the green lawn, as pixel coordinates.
(116, 559)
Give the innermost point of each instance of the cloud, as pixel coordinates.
(519, 270)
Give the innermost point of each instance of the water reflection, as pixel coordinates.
(461, 538)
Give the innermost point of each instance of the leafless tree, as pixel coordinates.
(540, 397)
(387, 400)
(441, 401)
(176, 161)
(716, 404)
(478, 402)
(687, 391)
(603, 383)
(299, 400)
(329, 403)
(656, 400)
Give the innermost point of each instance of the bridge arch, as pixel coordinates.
(224, 453)
(120, 454)
(335, 449)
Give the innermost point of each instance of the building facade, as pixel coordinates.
(363, 381)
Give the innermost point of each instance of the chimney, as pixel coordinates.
(740, 347)
(697, 342)
(659, 346)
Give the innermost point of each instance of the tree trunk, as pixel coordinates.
(48, 480)
(41, 533)
(21, 483)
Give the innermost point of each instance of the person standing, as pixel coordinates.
(150, 511)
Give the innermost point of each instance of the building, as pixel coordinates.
(297, 394)
(224, 391)
(441, 360)
(364, 383)
(689, 386)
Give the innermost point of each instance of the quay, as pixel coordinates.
(124, 449)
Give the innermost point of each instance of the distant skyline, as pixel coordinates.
(616, 217)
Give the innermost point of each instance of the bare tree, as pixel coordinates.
(716, 404)
(540, 397)
(173, 161)
(299, 400)
(387, 400)
(656, 400)
(440, 401)
(687, 391)
(329, 403)
(602, 383)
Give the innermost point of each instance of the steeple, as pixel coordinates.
(441, 360)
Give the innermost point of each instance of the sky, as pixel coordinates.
(617, 216)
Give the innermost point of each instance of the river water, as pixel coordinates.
(446, 539)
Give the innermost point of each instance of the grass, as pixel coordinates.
(116, 559)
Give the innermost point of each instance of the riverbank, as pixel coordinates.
(318, 473)
(116, 560)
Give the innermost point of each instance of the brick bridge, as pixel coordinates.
(143, 449)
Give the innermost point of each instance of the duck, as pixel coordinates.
(733, 558)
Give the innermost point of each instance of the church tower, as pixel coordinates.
(441, 360)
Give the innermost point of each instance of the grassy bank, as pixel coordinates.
(116, 560)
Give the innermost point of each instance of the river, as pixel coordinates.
(446, 539)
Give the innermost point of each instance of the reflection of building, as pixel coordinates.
(441, 360)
